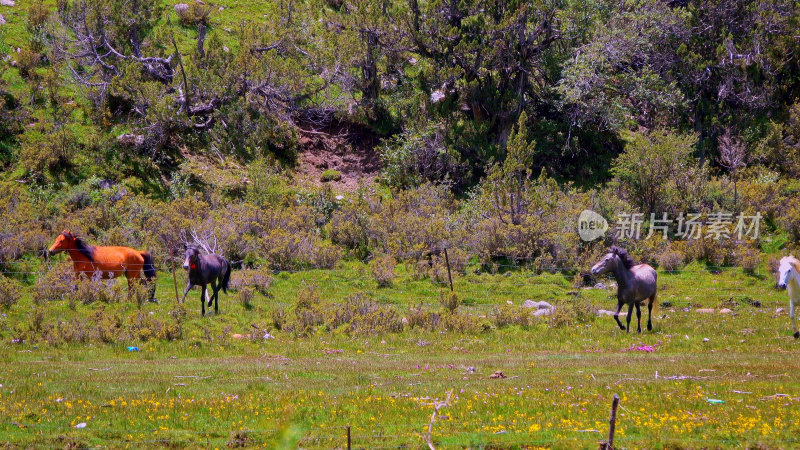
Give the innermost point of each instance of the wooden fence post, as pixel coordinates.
(449, 276)
(348, 437)
(174, 280)
(612, 425)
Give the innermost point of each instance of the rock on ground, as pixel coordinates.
(179, 8)
(537, 305)
(7, 2)
(605, 312)
(725, 311)
(705, 310)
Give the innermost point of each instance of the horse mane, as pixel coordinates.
(84, 248)
(793, 261)
(624, 256)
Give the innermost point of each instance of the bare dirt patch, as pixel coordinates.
(345, 147)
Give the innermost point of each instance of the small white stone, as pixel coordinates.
(81, 425)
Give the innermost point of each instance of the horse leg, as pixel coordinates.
(202, 301)
(616, 315)
(186, 291)
(638, 318)
(794, 322)
(650, 312)
(216, 299)
(213, 292)
(628, 319)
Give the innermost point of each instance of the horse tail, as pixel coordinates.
(149, 268)
(227, 277)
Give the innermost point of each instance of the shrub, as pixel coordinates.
(9, 292)
(307, 312)
(449, 300)
(572, 312)
(670, 260)
(56, 284)
(38, 13)
(95, 289)
(462, 323)
(27, 61)
(360, 314)
(508, 314)
(259, 280)
(330, 175)
(773, 264)
(658, 172)
(245, 297)
(414, 157)
(350, 225)
(435, 268)
(195, 14)
(419, 317)
(382, 268)
(749, 259)
(278, 317)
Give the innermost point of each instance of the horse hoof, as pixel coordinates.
(797, 334)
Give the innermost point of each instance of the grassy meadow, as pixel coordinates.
(221, 384)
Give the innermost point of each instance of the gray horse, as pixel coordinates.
(635, 283)
(206, 269)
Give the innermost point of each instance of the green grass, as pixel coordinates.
(291, 391)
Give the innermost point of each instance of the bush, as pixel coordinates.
(508, 314)
(27, 61)
(449, 300)
(56, 284)
(435, 268)
(462, 323)
(195, 14)
(382, 268)
(308, 313)
(9, 292)
(420, 318)
(359, 314)
(571, 313)
(245, 297)
(95, 289)
(670, 260)
(658, 172)
(259, 280)
(749, 259)
(415, 157)
(330, 175)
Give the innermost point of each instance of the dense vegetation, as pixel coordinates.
(495, 123)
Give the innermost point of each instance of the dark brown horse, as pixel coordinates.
(206, 269)
(635, 283)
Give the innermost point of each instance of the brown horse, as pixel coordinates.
(108, 262)
(635, 284)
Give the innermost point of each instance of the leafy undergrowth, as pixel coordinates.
(221, 383)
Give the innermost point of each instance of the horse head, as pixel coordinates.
(192, 256)
(787, 265)
(612, 260)
(64, 241)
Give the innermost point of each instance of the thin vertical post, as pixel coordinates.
(612, 424)
(449, 276)
(348, 437)
(174, 280)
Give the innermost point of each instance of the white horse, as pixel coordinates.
(789, 278)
